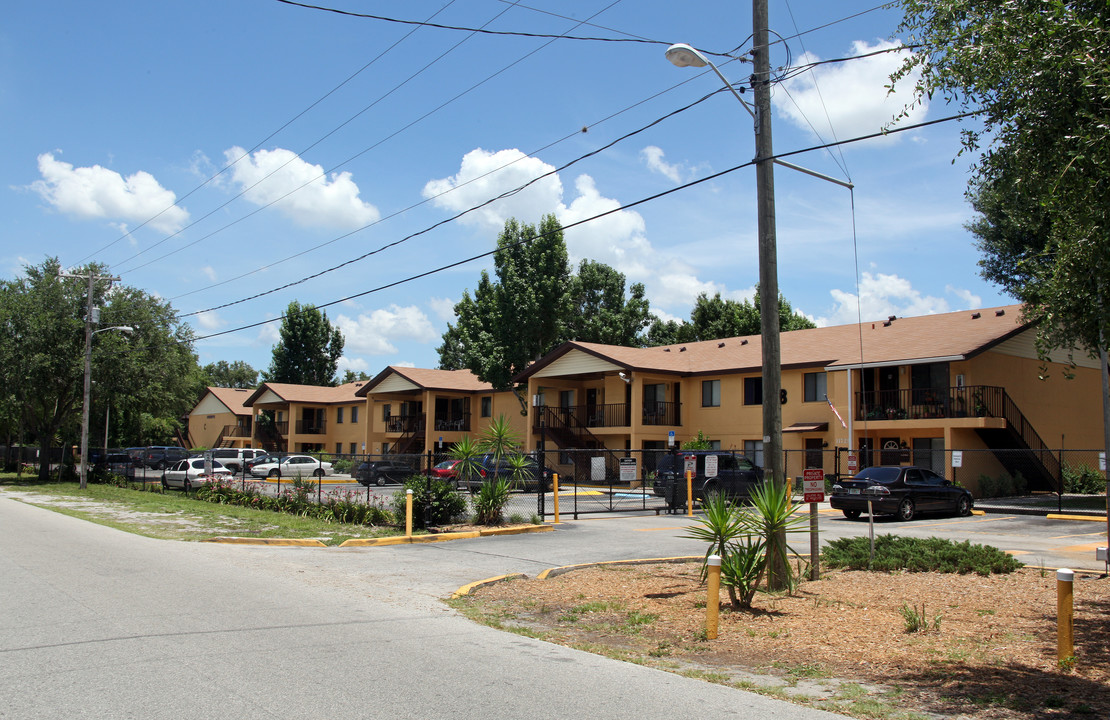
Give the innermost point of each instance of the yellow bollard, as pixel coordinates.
(1065, 647)
(689, 494)
(408, 513)
(713, 601)
(555, 491)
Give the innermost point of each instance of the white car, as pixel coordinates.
(293, 466)
(190, 473)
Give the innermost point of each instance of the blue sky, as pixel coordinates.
(338, 136)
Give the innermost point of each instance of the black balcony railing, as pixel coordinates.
(404, 423)
(917, 404)
(311, 427)
(282, 428)
(661, 413)
(458, 422)
(587, 416)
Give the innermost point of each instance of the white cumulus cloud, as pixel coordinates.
(852, 93)
(97, 192)
(375, 333)
(653, 158)
(300, 190)
(881, 295)
(484, 175)
(209, 320)
(444, 308)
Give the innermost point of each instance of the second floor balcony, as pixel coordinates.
(929, 403)
(614, 415)
(311, 427)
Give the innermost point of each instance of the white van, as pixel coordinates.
(234, 458)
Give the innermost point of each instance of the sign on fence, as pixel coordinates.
(597, 469)
(710, 466)
(628, 469)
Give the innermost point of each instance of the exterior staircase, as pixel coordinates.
(1018, 446)
(565, 427)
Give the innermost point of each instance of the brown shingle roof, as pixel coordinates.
(429, 379)
(317, 394)
(958, 334)
(233, 398)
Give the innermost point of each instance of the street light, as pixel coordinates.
(683, 55)
(89, 332)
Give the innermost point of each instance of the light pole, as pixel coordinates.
(89, 332)
(683, 55)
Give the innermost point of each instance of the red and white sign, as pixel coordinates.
(853, 464)
(813, 485)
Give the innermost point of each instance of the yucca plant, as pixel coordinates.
(499, 439)
(719, 525)
(770, 518)
(490, 501)
(469, 454)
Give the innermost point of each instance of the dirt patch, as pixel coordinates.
(840, 643)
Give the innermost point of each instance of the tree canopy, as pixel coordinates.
(309, 349)
(152, 372)
(535, 303)
(234, 374)
(1039, 75)
(713, 318)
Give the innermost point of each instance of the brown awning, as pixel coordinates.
(807, 427)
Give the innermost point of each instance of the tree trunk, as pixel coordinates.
(44, 457)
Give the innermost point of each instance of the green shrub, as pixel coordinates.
(299, 499)
(342, 466)
(438, 496)
(1083, 480)
(490, 500)
(917, 555)
(1005, 485)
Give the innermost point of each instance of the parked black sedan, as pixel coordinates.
(901, 491)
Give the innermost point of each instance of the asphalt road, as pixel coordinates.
(98, 623)
(103, 624)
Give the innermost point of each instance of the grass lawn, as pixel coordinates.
(173, 515)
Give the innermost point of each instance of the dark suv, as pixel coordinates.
(159, 457)
(735, 476)
(379, 472)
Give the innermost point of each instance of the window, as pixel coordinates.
(710, 393)
(929, 453)
(753, 392)
(354, 448)
(566, 398)
(714, 444)
(816, 387)
(339, 416)
(339, 448)
(354, 413)
(487, 407)
(386, 412)
(753, 450)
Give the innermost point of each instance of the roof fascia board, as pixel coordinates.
(889, 363)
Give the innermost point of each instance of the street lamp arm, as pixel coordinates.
(683, 55)
(122, 328)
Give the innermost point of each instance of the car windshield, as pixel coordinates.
(879, 474)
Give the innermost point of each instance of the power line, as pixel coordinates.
(510, 33)
(260, 143)
(507, 193)
(636, 203)
(297, 155)
(431, 198)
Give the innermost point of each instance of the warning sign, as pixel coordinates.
(813, 485)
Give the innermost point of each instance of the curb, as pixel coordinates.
(443, 537)
(267, 541)
(556, 571)
(376, 542)
(1089, 518)
(467, 589)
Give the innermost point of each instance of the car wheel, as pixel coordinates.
(906, 510)
(275, 473)
(380, 480)
(963, 507)
(851, 514)
(318, 472)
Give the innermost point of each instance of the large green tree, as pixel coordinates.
(602, 311)
(234, 374)
(309, 349)
(513, 320)
(42, 330)
(713, 318)
(1038, 72)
